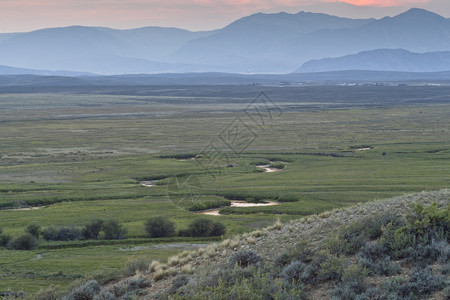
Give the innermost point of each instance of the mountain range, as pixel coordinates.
(260, 43)
(382, 60)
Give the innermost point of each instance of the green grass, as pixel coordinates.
(81, 168)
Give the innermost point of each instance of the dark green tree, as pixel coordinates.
(159, 227)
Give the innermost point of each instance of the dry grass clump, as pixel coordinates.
(155, 265)
(173, 260)
(187, 269)
(211, 250)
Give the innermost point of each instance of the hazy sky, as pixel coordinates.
(26, 15)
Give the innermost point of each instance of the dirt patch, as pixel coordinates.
(237, 203)
(149, 183)
(25, 208)
(268, 169)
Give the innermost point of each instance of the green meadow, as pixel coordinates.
(66, 159)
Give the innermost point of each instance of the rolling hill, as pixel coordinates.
(388, 249)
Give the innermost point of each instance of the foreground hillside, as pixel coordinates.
(390, 249)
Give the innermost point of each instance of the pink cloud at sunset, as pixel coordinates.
(384, 3)
(24, 15)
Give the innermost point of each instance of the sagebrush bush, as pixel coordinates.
(372, 294)
(354, 274)
(104, 275)
(422, 255)
(421, 283)
(346, 291)
(127, 289)
(332, 268)
(348, 240)
(105, 294)
(86, 291)
(245, 258)
(136, 283)
(373, 225)
(23, 242)
(300, 252)
(297, 272)
(374, 257)
(282, 260)
(178, 282)
(247, 283)
(424, 225)
(159, 227)
(48, 293)
(135, 264)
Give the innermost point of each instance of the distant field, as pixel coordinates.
(80, 156)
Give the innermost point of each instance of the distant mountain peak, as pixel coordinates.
(418, 13)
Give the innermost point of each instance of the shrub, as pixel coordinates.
(50, 233)
(352, 283)
(248, 283)
(24, 242)
(136, 264)
(371, 294)
(200, 228)
(4, 240)
(348, 240)
(277, 166)
(373, 257)
(282, 260)
(105, 294)
(63, 233)
(91, 231)
(293, 273)
(245, 258)
(34, 229)
(86, 291)
(373, 225)
(422, 282)
(104, 275)
(178, 282)
(159, 227)
(218, 229)
(332, 268)
(69, 233)
(135, 283)
(354, 274)
(423, 255)
(184, 232)
(113, 230)
(424, 225)
(48, 293)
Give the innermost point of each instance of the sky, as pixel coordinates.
(27, 15)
